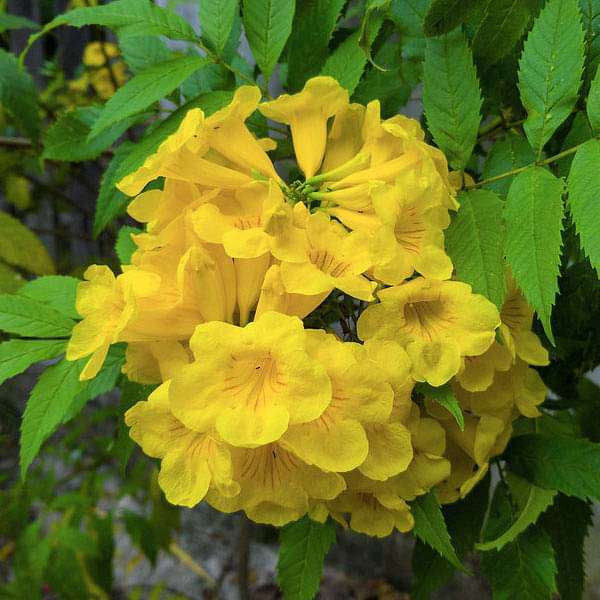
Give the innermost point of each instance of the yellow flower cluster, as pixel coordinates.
(255, 412)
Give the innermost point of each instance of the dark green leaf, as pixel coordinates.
(534, 215)
(580, 132)
(475, 243)
(451, 97)
(268, 24)
(444, 15)
(590, 11)
(18, 355)
(303, 547)
(346, 63)
(29, 318)
(216, 21)
(593, 104)
(145, 88)
(570, 465)
(431, 528)
(584, 191)
(8, 21)
(47, 406)
(550, 70)
(314, 23)
(142, 52)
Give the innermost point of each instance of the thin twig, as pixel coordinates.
(15, 142)
(191, 564)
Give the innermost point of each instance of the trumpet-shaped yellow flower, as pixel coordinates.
(250, 383)
(154, 362)
(360, 396)
(329, 258)
(437, 322)
(275, 486)
(307, 113)
(479, 371)
(190, 461)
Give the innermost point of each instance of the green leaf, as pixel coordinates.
(523, 569)
(475, 243)
(131, 159)
(145, 88)
(27, 317)
(464, 520)
(216, 21)
(579, 132)
(570, 465)
(409, 16)
(20, 247)
(55, 291)
(8, 21)
(451, 97)
(506, 155)
(46, 407)
(144, 51)
(502, 26)
(111, 202)
(593, 104)
(18, 355)
(584, 190)
(567, 523)
(537, 500)
(67, 139)
(590, 12)
(10, 280)
(444, 396)
(125, 246)
(268, 24)
(303, 547)
(533, 215)
(375, 13)
(18, 95)
(444, 15)
(431, 528)
(346, 63)
(313, 26)
(129, 17)
(550, 70)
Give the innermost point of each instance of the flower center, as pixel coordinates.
(325, 261)
(247, 221)
(427, 319)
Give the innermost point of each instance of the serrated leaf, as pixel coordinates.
(464, 520)
(55, 291)
(268, 24)
(8, 21)
(46, 407)
(346, 63)
(314, 22)
(67, 139)
(18, 355)
(216, 21)
(145, 88)
(375, 14)
(409, 16)
(550, 70)
(502, 26)
(451, 97)
(29, 318)
(431, 528)
(579, 133)
(593, 104)
(303, 547)
(584, 190)
(445, 397)
(444, 15)
(570, 465)
(18, 95)
(142, 52)
(111, 202)
(508, 154)
(20, 247)
(590, 12)
(131, 159)
(475, 243)
(536, 502)
(533, 216)
(125, 246)
(567, 523)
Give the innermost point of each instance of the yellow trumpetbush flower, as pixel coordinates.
(375, 508)
(360, 395)
(246, 381)
(250, 275)
(273, 296)
(344, 140)
(437, 322)
(307, 113)
(515, 329)
(190, 461)
(331, 257)
(275, 486)
(478, 372)
(154, 362)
